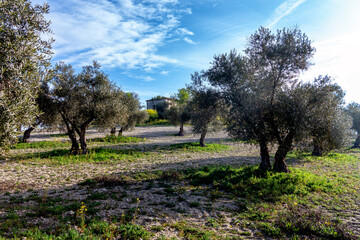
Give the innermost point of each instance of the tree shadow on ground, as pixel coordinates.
(153, 194)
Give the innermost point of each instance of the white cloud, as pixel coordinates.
(184, 31)
(165, 73)
(117, 33)
(188, 40)
(142, 77)
(283, 10)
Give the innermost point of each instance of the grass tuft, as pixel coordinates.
(95, 155)
(119, 139)
(41, 145)
(300, 220)
(160, 122)
(195, 147)
(255, 184)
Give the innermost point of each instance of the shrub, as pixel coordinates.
(153, 115)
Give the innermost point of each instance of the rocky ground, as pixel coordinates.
(159, 206)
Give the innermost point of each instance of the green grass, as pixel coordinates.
(41, 145)
(306, 203)
(59, 144)
(110, 156)
(283, 205)
(195, 147)
(119, 139)
(189, 232)
(255, 185)
(299, 220)
(95, 155)
(94, 230)
(161, 122)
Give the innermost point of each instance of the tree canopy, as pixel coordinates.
(24, 59)
(206, 107)
(179, 113)
(267, 102)
(132, 113)
(84, 98)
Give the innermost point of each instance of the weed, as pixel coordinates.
(157, 228)
(95, 230)
(189, 232)
(299, 220)
(119, 139)
(212, 222)
(194, 204)
(195, 147)
(41, 145)
(104, 155)
(171, 175)
(160, 122)
(80, 213)
(254, 184)
(170, 191)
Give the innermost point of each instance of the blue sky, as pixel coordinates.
(152, 46)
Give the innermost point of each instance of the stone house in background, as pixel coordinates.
(154, 103)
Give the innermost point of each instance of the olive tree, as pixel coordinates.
(47, 115)
(330, 125)
(179, 113)
(84, 98)
(353, 109)
(205, 107)
(24, 59)
(267, 102)
(131, 115)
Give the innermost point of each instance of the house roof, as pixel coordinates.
(160, 99)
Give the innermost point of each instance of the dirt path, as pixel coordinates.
(38, 176)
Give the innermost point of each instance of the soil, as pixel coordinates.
(157, 206)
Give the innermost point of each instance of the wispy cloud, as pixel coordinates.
(142, 77)
(117, 33)
(188, 40)
(283, 10)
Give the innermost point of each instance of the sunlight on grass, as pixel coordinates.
(96, 155)
(161, 122)
(41, 144)
(119, 139)
(195, 147)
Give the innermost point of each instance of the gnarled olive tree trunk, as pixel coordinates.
(181, 131)
(113, 131)
(283, 149)
(82, 135)
(121, 131)
(72, 135)
(27, 134)
(202, 137)
(74, 143)
(83, 143)
(317, 151)
(357, 142)
(265, 156)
